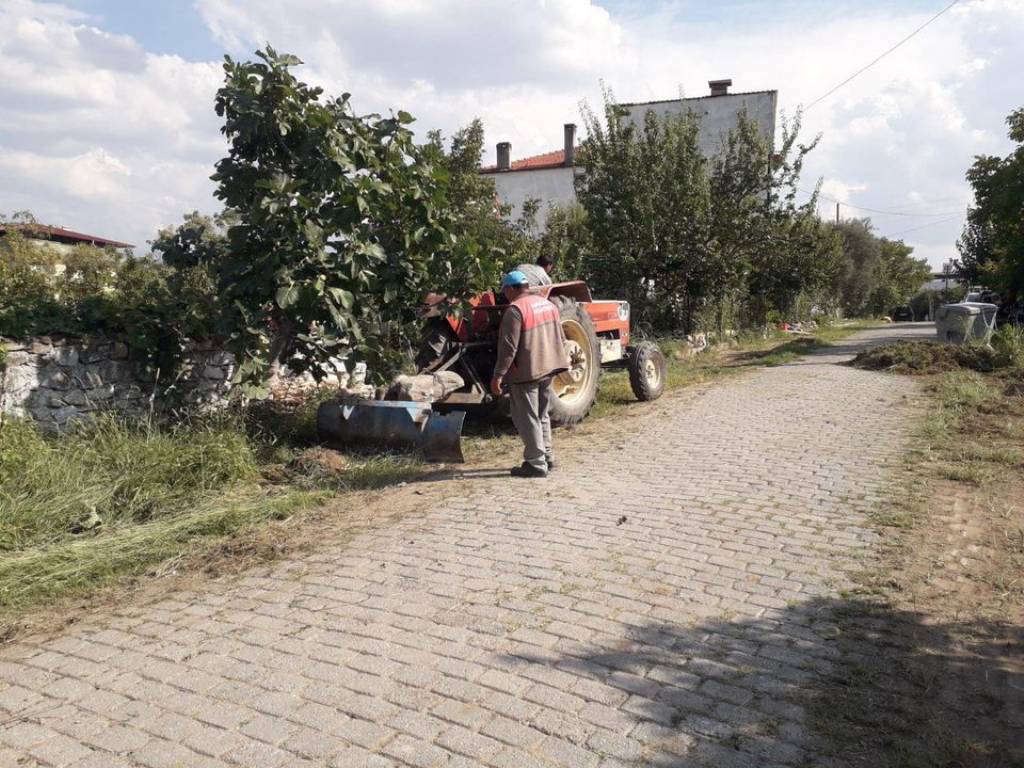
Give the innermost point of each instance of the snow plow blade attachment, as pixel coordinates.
(399, 424)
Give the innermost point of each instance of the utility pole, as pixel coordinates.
(837, 213)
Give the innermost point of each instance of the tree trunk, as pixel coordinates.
(279, 346)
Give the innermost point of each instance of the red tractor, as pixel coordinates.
(597, 335)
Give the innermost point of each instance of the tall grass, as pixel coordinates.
(957, 393)
(1008, 343)
(110, 473)
(113, 498)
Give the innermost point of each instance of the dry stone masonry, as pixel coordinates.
(57, 380)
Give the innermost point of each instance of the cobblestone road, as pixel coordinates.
(661, 601)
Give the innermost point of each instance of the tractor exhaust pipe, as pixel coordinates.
(399, 424)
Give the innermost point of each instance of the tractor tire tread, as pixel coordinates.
(643, 389)
(561, 416)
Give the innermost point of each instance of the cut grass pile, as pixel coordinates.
(110, 499)
(925, 357)
(1006, 353)
(77, 564)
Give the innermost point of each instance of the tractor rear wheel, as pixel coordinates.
(436, 342)
(647, 371)
(575, 390)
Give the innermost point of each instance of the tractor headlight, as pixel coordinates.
(623, 310)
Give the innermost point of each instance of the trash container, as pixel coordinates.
(965, 322)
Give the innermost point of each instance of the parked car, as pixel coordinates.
(902, 314)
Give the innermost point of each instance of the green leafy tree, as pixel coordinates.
(769, 250)
(43, 289)
(992, 244)
(86, 290)
(645, 193)
(567, 238)
(876, 274)
(198, 240)
(861, 257)
(344, 223)
(694, 241)
(480, 221)
(898, 276)
(28, 298)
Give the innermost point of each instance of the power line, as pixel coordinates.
(924, 226)
(877, 210)
(872, 63)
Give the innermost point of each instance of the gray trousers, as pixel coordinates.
(531, 414)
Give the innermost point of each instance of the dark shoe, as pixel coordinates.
(527, 470)
(551, 462)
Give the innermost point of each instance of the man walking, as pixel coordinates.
(531, 351)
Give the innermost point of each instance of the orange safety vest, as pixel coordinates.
(539, 343)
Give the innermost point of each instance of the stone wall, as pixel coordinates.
(58, 380)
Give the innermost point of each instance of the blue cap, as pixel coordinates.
(515, 277)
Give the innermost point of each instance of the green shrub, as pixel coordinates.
(91, 291)
(1008, 343)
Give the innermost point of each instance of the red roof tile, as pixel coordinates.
(554, 159)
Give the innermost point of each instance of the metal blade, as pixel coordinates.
(396, 424)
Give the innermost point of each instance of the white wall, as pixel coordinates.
(717, 114)
(549, 185)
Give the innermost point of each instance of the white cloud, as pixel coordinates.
(898, 137)
(97, 134)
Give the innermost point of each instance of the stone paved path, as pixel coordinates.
(663, 601)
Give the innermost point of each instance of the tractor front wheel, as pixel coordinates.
(575, 390)
(647, 371)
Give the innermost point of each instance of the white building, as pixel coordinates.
(550, 177)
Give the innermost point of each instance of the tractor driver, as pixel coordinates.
(540, 273)
(531, 351)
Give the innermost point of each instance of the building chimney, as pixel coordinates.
(504, 155)
(570, 145)
(719, 87)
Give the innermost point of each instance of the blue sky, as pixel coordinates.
(161, 26)
(107, 126)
